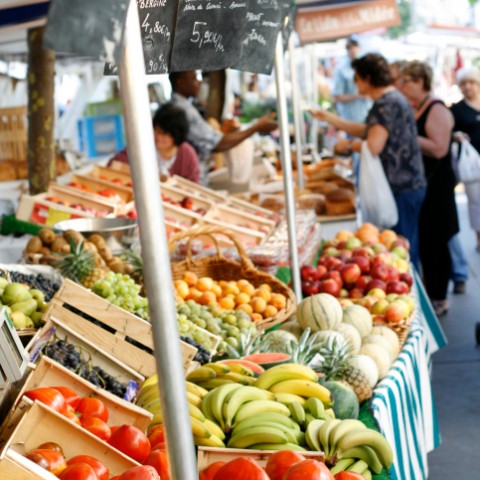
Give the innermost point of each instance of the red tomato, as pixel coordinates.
(132, 442)
(156, 435)
(145, 472)
(308, 470)
(279, 462)
(96, 426)
(48, 396)
(55, 460)
(211, 470)
(242, 468)
(72, 398)
(71, 415)
(92, 407)
(114, 428)
(346, 475)
(101, 471)
(51, 446)
(78, 471)
(159, 461)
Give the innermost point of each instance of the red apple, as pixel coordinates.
(379, 319)
(362, 262)
(311, 288)
(322, 271)
(363, 252)
(376, 283)
(309, 273)
(335, 275)
(363, 281)
(341, 245)
(323, 260)
(400, 242)
(345, 255)
(330, 286)
(350, 273)
(407, 278)
(332, 262)
(379, 248)
(397, 287)
(357, 293)
(379, 271)
(393, 275)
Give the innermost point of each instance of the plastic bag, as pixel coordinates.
(377, 203)
(468, 166)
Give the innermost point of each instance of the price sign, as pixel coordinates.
(207, 34)
(87, 27)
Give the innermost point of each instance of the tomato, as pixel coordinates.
(156, 435)
(159, 461)
(145, 472)
(242, 468)
(55, 460)
(279, 462)
(308, 470)
(132, 442)
(48, 396)
(346, 475)
(51, 446)
(72, 398)
(211, 470)
(92, 407)
(96, 426)
(78, 471)
(71, 415)
(100, 469)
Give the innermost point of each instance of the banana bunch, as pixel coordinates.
(349, 445)
(213, 375)
(205, 432)
(294, 379)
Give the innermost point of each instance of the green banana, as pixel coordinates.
(240, 397)
(309, 418)
(358, 467)
(297, 411)
(292, 435)
(311, 435)
(304, 388)
(277, 446)
(370, 438)
(214, 383)
(218, 368)
(287, 398)
(255, 435)
(329, 413)
(341, 429)
(259, 406)
(315, 407)
(324, 435)
(212, 441)
(206, 406)
(218, 398)
(281, 373)
(367, 475)
(342, 465)
(201, 374)
(365, 453)
(269, 417)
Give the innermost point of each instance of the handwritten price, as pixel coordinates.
(158, 67)
(202, 36)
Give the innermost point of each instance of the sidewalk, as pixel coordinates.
(456, 374)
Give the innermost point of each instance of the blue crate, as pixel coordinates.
(100, 135)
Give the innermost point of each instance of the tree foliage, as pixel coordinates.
(405, 13)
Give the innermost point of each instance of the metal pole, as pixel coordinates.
(286, 159)
(297, 112)
(158, 277)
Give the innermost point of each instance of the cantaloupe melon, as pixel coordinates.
(367, 366)
(352, 336)
(319, 312)
(379, 355)
(390, 335)
(359, 317)
(382, 341)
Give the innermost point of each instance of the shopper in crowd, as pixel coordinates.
(396, 72)
(202, 136)
(467, 125)
(438, 216)
(391, 133)
(174, 154)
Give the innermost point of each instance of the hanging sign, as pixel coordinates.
(91, 28)
(207, 34)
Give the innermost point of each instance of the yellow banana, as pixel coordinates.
(196, 412)
(152, 380)
(201, 374)
(367, 454)
(195, 389)
(255, 435)
(367, 475)
(212, 441)
(193, 399)
(287, 398)
(259, 406)
(286, 371)
(156, 419)
(370, 438)
(215, 429)
(241, 369)
(341, 429)
(146, 395)
(218, 368)
(236, 377)
(304, 388)
(199, 429)
(311, 435)
(214, 383)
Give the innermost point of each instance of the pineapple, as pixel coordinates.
(359, 383)
(135, 265)
(80, 265)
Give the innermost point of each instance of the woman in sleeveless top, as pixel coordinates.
(438, 216)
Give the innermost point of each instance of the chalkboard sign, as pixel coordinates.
(93, 28)
(208, 34)
(263, 22)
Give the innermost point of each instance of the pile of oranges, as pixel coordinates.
(258, 302)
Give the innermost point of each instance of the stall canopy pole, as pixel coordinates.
(297, 111)
(158, 277)
(286, 159)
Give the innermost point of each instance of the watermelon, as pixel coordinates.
(345, 401)
(254, 367)
(269, 360)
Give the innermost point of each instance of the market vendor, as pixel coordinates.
(174, 154)
(202, 136)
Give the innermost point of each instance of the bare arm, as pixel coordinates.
(437, 142)
(376, 140)
(347, 98)
(232, 139)
(352, 128)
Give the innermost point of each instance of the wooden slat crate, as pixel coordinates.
(111, 176)
(208, 455)
(41, 424)
(178, 195)
(244, 206)
(195, 189)
(112, 328)
(13, 133)
(16, 467)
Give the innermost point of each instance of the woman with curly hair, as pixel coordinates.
(390, 132)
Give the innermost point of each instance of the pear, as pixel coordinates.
(27, 307)
(20, 320)
(37, 319)
(14, 293)
(38, 295)
(3, 283)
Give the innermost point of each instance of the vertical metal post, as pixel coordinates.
(286, 159)
(297, 112)
(158, 277)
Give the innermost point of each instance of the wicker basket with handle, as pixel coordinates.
(218, 267)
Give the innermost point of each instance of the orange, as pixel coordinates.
(246, 308)
(367, 236)
(205, 284)
(258, 304)
(242, 283)
(242, 298)
(194, 294)
(278, 301)
(387, 237)
(270, 311)
(344, 235)
(248, 288)
(217, 290)
(256, 317)
(232, 288)
(206, 298)
(182, 288)
(228, 303)
(263, 293)
(190, 278)
(265, 286)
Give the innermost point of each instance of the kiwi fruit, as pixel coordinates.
(91, 247)
(106, 253)
(58, 244)
(34, 245)
(97, 240)
(77, 237)
(118, 267)
(45, 251)
(113, 261)
(47, 235)
(66, 248)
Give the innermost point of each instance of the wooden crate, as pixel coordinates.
(13, 134)
(208, 455)
(178, 195)
(113, 177)
(16, 467)
(247, 207)
(182, 218)
(109, 327)
(121, 167)
(41, 424)
(195, 189)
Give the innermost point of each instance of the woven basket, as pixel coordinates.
(218, 267)
(402, 328)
